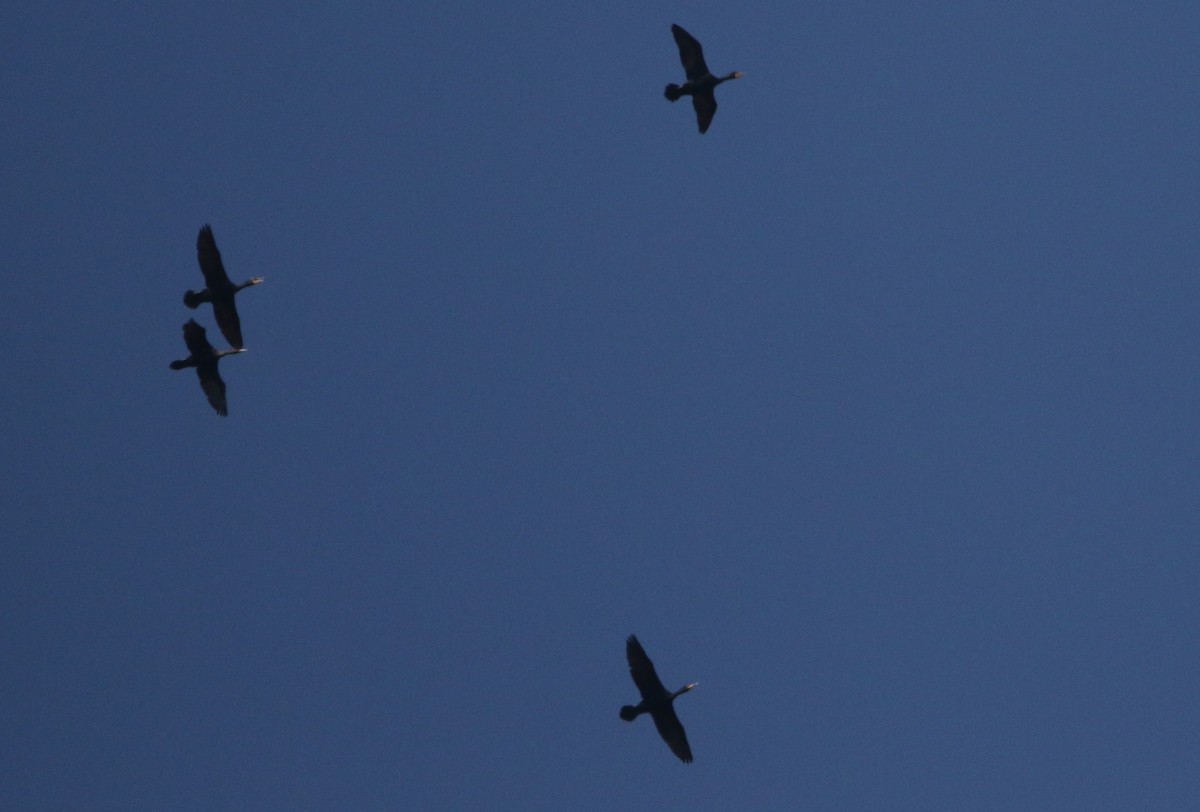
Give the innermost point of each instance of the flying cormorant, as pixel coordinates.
(700, 82)
(656, 700)
(218, 289)
(205, 358)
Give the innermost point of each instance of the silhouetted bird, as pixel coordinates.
(700, 82)
(218, 289)
(656, 700)
(204, 358)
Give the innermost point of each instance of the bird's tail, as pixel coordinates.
(628, 713)
(673, 92)
(192, 299)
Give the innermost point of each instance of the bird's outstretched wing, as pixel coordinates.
(211, 266)
(672, 733)
(197, 343)
(226, 314)
(642, 670)
(214, 390)
(705, 105)
(690, 54)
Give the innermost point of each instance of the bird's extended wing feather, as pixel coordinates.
(705, 105)
(197, 342)
(226, 314)
(671, 730)
(690, 54)
(214, 388)
(642, 670)
(211, 266)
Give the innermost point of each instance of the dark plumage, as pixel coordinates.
(218, 289)
(700, 82)
(656, 700)
(205, 358)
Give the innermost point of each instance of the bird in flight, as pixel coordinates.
(656, 700)
(218, 289)
(205, 358)
(700, 81)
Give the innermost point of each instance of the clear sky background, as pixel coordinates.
(875, 410)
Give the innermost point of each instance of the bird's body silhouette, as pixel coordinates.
(656, 700)
(217, 288)
(700, 81)
(204, 357)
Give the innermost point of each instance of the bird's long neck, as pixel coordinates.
(683, 690)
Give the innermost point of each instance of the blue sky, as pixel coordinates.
(873, 410)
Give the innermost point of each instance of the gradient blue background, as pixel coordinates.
(875, 410)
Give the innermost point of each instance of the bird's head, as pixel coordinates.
(191, 299)
(686, 688)
(737, 74)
